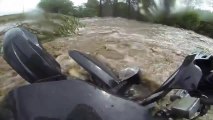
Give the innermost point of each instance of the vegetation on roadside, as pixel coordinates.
(66, 7)
(89, 9)
(161, 12)
(54, 25)
(57, 6)
(190, 20)
(47, 26)
(142, 10)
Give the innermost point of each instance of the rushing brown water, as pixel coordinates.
(157, 49)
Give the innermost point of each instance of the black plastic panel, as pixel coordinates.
(60, 100)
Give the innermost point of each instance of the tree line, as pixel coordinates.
(102, 8)
(142, 10)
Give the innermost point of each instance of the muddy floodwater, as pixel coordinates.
(157, 49)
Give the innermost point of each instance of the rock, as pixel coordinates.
(178, 52)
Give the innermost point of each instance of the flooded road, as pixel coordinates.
(157, 49)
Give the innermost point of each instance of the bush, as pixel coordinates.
(189, 20)
(206, 28)
(81, 12)
(57, 6)
(122, 10)
(68, 26)
(54, 25)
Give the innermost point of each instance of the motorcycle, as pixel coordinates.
(54, 96)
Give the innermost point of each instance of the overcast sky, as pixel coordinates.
(17, 6)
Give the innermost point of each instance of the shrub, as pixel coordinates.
(57, 6)
(189, 20)
(206, 28)
(54, 25)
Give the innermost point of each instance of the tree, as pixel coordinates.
(106, 7)
(92, 7)
(92, 4)
(189, 20)
(129, 7)
(115, 5)
(134, 9)
(122, 10)
(89, 9)
(100, 8)
(146, 5)
(168, 4)
(57, 6)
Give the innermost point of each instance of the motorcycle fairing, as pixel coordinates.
(73, 100)
(28, 58)
(189, 74)
(97, 70)
(193, 71)
(186, 77)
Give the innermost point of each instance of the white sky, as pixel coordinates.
(17, 6)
